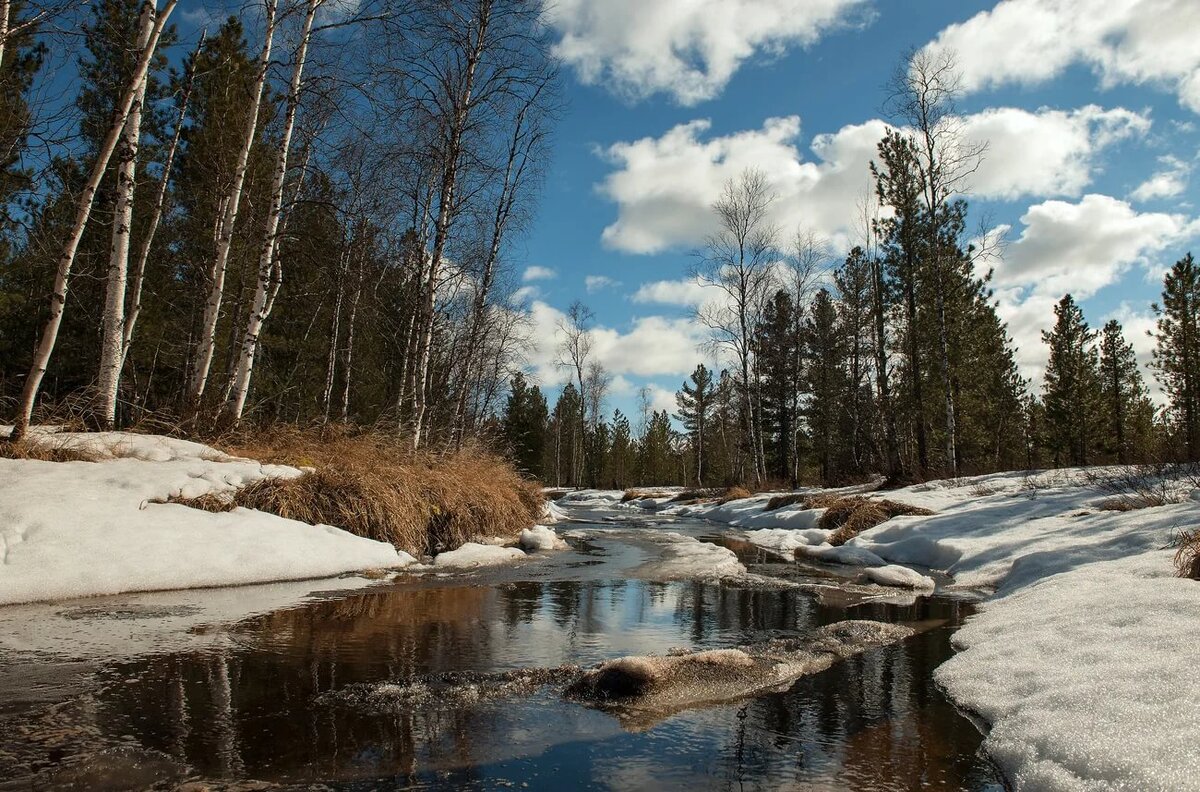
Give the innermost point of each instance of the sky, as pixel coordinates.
(1090, 110)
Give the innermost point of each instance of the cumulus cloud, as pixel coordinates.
(688, 50)
(538, 273)
(595, 283)
(1080, 248)
(686, 291)
(1169, 181)
(1130, 42)
(664, 186)
(651, 345)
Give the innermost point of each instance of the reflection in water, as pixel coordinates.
(873, 722)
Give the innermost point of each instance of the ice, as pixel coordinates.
(473, 554)
(786, 540)
(899, 576)
(848, 554)
(687, 558)
(539, 537)
(553, 513)
(79, 529)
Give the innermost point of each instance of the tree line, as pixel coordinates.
(306, 213)
(892, 361)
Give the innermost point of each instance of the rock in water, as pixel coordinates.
(642, 690)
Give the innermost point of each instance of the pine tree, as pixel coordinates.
(695, 405)
(655, 454)
(524, 426)
(1071, 391)
(853, 282)
(1122, 391)
(622, 454)
(776, 349)
(1177, 350)
(825, 383)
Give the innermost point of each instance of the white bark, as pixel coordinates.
(269, 271)
(139, 269)
(87, 197)
(112, 344)
(206, 344)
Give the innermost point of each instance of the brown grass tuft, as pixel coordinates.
(1187, 557)
(696, 495)
(1134, 501)
(791, 499)
(847, 517)
(208, 502)
(734, 493)
(45, 450)
(376, 486)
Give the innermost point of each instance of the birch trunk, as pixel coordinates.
(268, 270)
(348, 357)
(202, 362)
(139, 269)
(112, 344)
(334, 335)
(66, 260)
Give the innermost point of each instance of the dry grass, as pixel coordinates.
(1187, 557)
(640, 494)
(45, 450)
(734, 493)
(847, 517)
(696, 495)
(791, 499)
(375, 486)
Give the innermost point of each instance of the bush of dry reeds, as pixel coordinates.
(1187, 557)
(791, 499)
(376, 486)
(44, 449)
(695, 495)
(734, 493)
(849, 516)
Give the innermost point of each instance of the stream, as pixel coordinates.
(182, 690)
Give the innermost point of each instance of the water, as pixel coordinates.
(264, 700)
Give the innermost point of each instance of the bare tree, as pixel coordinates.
(270, 270)
(924, 93)
(112, 344)
(575, 353)
(49, 336)
(206, 344)
(738, 259)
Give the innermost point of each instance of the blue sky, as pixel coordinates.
(1091, 110)
(1091, 114)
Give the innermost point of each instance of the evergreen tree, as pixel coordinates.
(564, 432)
(825, 383)
(695, 401)
(622, 455)
(655, 455)
(853, 282)
(1071, 392)
(1177, 351)
(1123, 393)
(777, 349)
(524, 426)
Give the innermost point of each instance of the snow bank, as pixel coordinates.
(472, 555)
(552, 513)
(899, 576)
(687, 558)
(539, 537)
(848, 554)
(79, 529)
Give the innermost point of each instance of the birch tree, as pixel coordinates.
(206, 343)
(269, 269)
(49, 335)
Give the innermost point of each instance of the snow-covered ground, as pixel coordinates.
(1082, 658)
(77, 529)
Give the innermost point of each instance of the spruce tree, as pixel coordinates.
(825, 383)
(1071, 391)
(524, 426)
(694, 400)
(1177, 351)
(622, 454)
(655, 454)
(777, 354)
(1122, 391)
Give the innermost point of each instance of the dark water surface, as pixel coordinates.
(263, 704)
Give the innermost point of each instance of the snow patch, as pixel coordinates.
(539, 537)
(472, 555)
(899, 576)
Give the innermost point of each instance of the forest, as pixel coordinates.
(270, 224)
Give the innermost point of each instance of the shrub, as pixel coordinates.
(1187, 557)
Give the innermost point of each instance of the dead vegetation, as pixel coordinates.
(696, 496)
(1187, 556)
(791, 499)
(44, 449)
(848, 516)
(734, 493)
(377, 487)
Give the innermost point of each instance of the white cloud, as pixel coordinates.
(688, 291)
(1079, 248)
(651, 346)
(1168, 182)
(664, 186)
(1123, 41)
(662, 399)
(524, 295)
(538, 273)
(689, 49)
(595, 283)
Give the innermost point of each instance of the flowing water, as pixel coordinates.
(155, 692)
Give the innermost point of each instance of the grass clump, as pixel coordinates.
(791, 499)
(696, 495)
(849, 516)
(376, 486)
(734, 493)
(1187, 557)
(45, 450)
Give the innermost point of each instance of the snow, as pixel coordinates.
(1082, 659)
(473, 555)
(900, 576)
(553, 513)
(539, 537)
(687, 558)
(81, 529)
